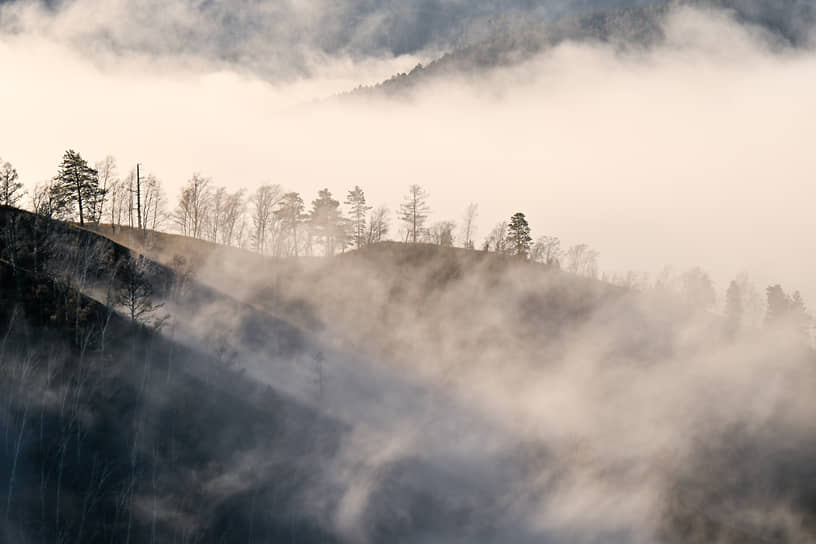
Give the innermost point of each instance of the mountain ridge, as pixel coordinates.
(788, 22)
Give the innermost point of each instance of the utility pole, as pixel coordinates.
(138, 198)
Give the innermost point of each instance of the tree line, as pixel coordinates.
(276, 222)
(269, 220)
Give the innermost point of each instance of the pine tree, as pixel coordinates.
(799, 315)
(778, 307)
(10, 187)
(357, 201)
(290, 212)
(327, 221)
(518, 236)
(76, 186)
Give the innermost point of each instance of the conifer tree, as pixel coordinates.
(799, 315)
(76, 186)
(778, 305)
(357, 201)
(290, 212)
(327, 221)
(518, 236)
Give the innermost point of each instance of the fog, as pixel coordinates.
(695, 152)
(533, 405)
(278, 40)
(441, 395)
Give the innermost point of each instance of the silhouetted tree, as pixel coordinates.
(377, 225)
(414, 212)
(11, 189)
(290, 211)
(327, 222)
(193, 207)
(583, 260)
(264, 202)
(787, 311)
(800, 317)
(232, 211)
(106, 170)
(547, 249)
(441, 233)
(42, 199)
(497, 238)
(469, 225)
(358, 209)
(778, 305)
(76, 186)
(136, 293)
(518, 236)
(153, 202)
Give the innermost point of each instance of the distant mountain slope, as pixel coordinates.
(278, 40)
(788, 22)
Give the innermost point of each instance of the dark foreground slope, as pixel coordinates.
(394, 394)
(112, 432)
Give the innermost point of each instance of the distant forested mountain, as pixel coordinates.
(785, 23)
(278, 40)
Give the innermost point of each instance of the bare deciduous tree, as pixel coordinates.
(377, 225)
(582, 260)
(42, 198)
(290, 211)
(469, 225)
(441, 233)
(232, 210)
(152, 203)
(106, 169)
(136, 293)
(263, 202)
(547, 250)
(496, 240)
(191, 213)
(11, 189)
(414, 212)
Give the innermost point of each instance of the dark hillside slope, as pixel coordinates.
(425, 394)
(140, 439)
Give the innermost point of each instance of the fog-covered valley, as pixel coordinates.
(552, 285)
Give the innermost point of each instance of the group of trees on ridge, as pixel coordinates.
(270, 220)
(275, 222)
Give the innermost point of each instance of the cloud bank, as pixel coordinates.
(694, 152)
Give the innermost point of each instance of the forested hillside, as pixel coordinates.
(782, 24)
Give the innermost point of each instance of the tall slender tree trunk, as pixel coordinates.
(138, 198)
(78, 184)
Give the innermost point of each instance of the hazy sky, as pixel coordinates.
(699, 152)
